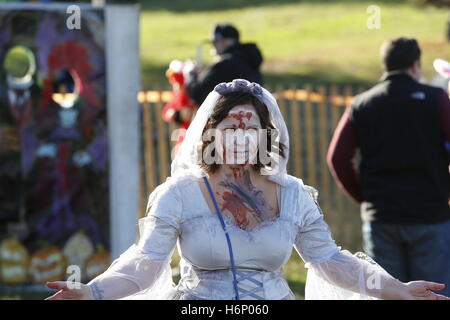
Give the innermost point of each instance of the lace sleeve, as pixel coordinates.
(347, 277)
(313, 242)
(334, 274)
(143, 271)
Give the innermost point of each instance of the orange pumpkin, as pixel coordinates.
(98, 263)
(47, 264)
(13, 262)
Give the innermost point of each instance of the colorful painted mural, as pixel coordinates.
(53, 144)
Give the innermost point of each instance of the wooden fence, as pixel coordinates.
(311, 115)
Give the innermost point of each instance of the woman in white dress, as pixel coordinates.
(236, 214)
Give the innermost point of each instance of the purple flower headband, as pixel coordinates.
(240, 85)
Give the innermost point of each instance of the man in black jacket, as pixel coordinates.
(236, 61)
(400, 127)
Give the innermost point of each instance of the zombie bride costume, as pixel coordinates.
(221, 260)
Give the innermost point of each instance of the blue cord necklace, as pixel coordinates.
(230, 248)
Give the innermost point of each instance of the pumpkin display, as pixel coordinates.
(47, 264)
(78, 249)
(13, 262)
(97, 263)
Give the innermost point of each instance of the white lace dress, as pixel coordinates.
(177, 212)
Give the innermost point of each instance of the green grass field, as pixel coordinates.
(302, 41)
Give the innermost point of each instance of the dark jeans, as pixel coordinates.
(411, 252)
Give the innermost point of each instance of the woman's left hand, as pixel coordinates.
(423, 290)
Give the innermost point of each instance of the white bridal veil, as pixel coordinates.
(187, 160)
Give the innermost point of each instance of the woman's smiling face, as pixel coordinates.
(239, 135)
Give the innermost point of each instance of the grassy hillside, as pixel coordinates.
(302, 41)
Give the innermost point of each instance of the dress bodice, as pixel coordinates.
(202, 240)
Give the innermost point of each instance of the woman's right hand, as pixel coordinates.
(70, 291)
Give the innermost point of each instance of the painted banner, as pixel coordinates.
(53, 145)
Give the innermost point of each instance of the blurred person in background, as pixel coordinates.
(400, 128)
(180, 110)
(236, 60)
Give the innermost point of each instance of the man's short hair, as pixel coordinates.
(399, 53)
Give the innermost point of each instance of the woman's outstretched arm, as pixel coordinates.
(143, 264)
(365, 279)
(132, 272)
(337, 274)
(107, 288)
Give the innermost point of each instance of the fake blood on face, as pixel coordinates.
(240, 117)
